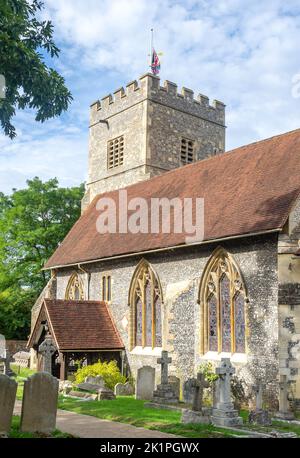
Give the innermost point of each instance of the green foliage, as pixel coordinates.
(33, 221)
(30, 83)
(109, 371)
(208, 371)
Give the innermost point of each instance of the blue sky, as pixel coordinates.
(244, 53)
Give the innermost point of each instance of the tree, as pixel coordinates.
(30, 83)
(33, 221)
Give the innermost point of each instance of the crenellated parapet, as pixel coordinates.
(148, 88)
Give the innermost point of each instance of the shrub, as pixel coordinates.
(109, 371)
(208, 371)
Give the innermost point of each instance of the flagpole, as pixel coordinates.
(151, 47)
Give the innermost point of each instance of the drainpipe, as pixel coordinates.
(88, 276)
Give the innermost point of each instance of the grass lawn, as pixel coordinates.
(17, 434)
(126, 409)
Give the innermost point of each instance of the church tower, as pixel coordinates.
(147, 129)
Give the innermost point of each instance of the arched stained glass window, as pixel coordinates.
(222, 299)
(74, 289)
(145, 302)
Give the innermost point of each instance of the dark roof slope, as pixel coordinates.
(250, 189)
(80, 325)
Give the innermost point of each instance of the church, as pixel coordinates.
(127, 296)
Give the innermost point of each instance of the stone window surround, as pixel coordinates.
(240, 358)
(146, 351)
(74, 284)
(107, 277)
(187, 151)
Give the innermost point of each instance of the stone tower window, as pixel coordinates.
(223, 299)
(187, 151)
(145, 299)
(106, 288)
(115, 152)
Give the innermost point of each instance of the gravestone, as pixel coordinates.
(284, 407)
(164, 393)
(47, 349)
(124, 389)
(8, 390)
(189, 390)
(145, 383)
(83, 396)
(198, 414)
(2, 346)
(259, 416)
(175, 382)
(92, 384)
(7, 369)
(22, 358)
(39, 404)
(223, 413)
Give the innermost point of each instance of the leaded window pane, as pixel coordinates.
(239, 320)
(148, 304)
(158, 336)
(139, 322)
(225, 313)
(213, 324)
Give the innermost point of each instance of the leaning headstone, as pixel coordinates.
(92, 384)
(145, 383)
(124, 389)
(8, 390)
(259, 415)
(164, 393)
(223, 413)
(39, 405)
(284, 407)
(198, 414)
(189, 390)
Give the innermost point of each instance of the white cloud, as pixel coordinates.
(244, 53)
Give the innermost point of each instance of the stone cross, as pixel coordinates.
(164, 361)
(7, 361)
(47, 349)
(225, 372)
(199, 384)
(258, 390)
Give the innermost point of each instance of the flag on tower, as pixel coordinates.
(155, 63)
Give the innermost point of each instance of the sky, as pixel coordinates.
(242, 52)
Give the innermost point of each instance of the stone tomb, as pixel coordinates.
(165, 393)
(92, 384)
(39, 405)
(8, 390)
(145, 383)
(223, 413)
(124, 389)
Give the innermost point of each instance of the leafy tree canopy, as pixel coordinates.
(33, 221)
(29, 82)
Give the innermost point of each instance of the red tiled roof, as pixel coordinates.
(250, 189)
(80, 325)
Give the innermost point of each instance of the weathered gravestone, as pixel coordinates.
(284, 407)
(8, 390)
(39, 405)
(2, 346)
(259, 415)
(105, 394)
(124, 389)
(92, 384)
(198, 414)
(145, 383)
(189, 390)
(223, 413)
(164, 393)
